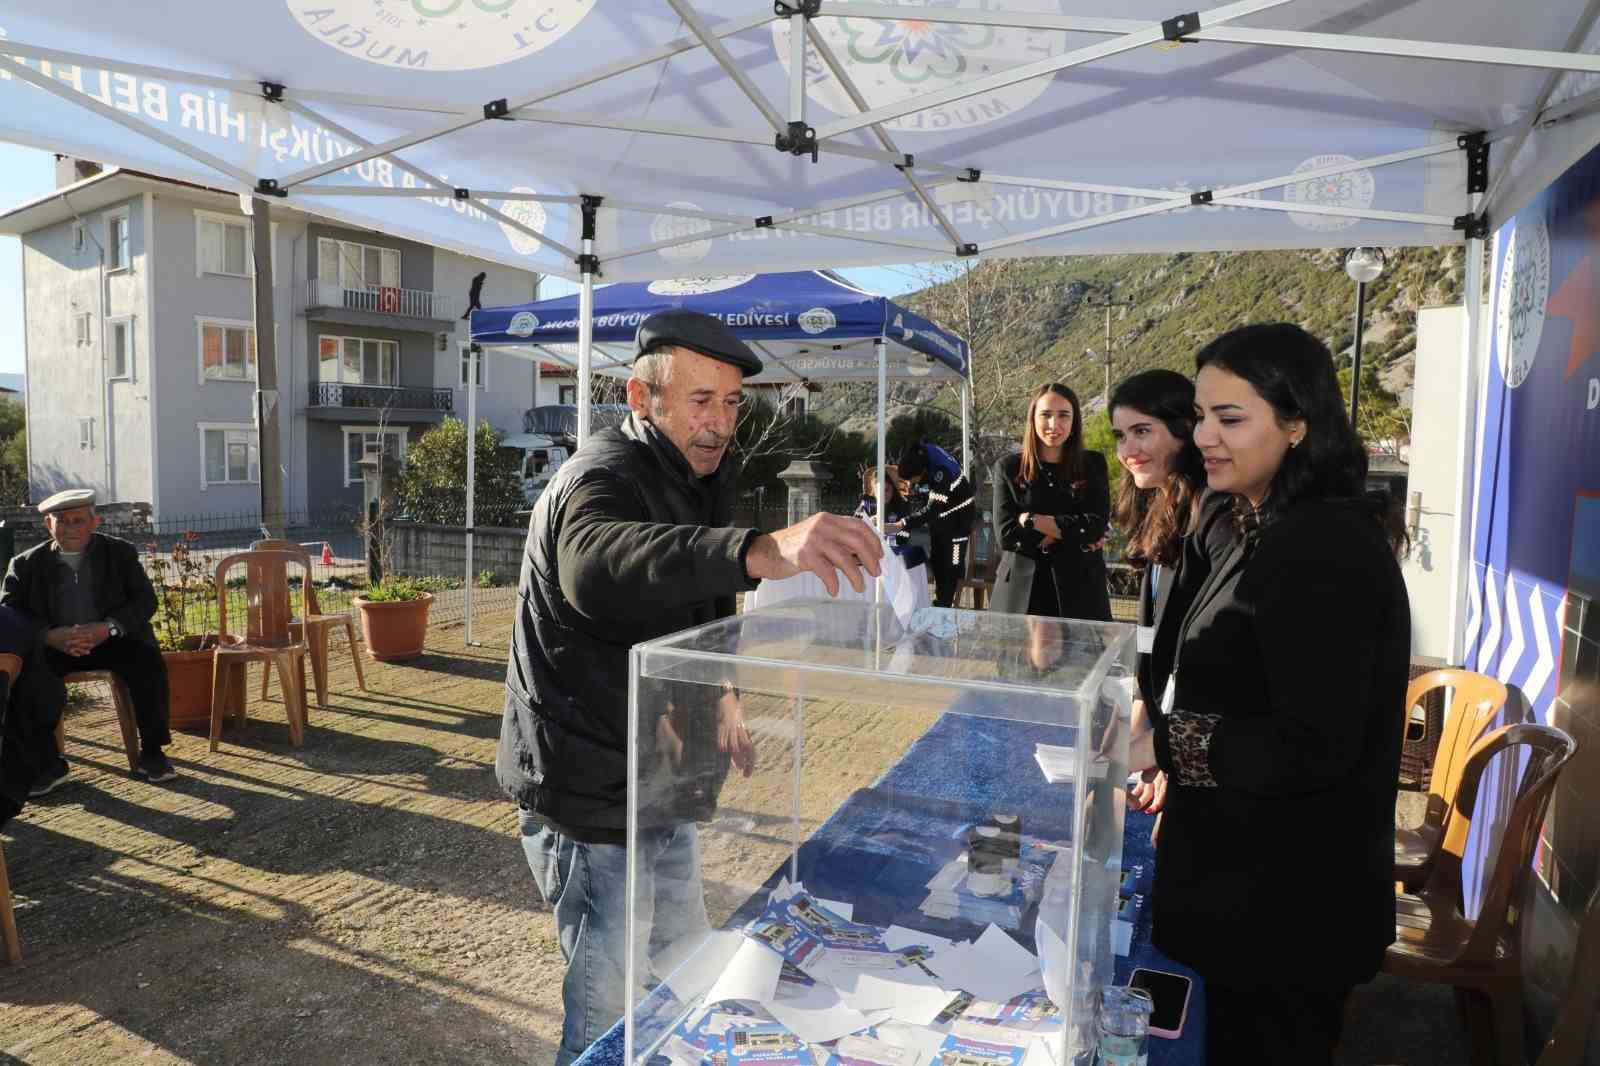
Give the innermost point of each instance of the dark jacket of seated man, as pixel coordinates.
(91, 610)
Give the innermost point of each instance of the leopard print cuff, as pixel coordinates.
(1191, 735)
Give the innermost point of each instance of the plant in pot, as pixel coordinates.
(186, 627)
(394, 617)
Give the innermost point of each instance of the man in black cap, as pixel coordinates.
(91, 602)
(631, 541)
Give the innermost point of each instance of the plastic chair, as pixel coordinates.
(314, 627)
(1475, 704)
(1436, 943)
(1570, 1037)
(266, 638)
(121, 701)
(11, 666)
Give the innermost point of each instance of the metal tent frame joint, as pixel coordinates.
(272, 92)
(798, 139)
(1473, 227)
(500, 108)
(908, 163)
(964, 251)
(809, 9)
(1178, 27)
(463, 194)
(1198, 198)
(973, 174)
(270, 187)
(764, 222)
(1476, 145)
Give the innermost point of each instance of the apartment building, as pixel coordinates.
(141, 346)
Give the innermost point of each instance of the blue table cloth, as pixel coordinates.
(884, 843)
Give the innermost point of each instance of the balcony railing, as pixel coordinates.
(410, 398)
(384, 300)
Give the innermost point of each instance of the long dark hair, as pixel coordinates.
(1293, 372)
(1156, 519)
(1071, 465)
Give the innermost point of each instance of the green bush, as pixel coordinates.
(433, 485)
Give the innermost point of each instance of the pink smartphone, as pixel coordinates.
(1170, 991)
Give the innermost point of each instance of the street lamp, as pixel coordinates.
(1363, 265)
(1108, 303)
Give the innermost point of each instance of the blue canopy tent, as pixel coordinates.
(808, 326)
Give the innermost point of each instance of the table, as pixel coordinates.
(905, 590)
(862, 869)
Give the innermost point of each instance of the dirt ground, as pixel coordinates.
(362, 899)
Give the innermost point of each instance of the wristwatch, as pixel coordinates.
(1027, 521)
(111, 624)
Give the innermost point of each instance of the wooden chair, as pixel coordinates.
(11, 666)
(121, 702)
(1435, 941)
(1476, 703)
(978, 576)
(266, 637)
(1570, 1037)
(314, 627)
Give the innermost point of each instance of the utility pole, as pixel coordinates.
(1108, 303)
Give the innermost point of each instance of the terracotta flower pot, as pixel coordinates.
(189, 677)
(394, 629)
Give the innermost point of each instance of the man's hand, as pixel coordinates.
(669, 746)
(825, 544)
(1043, 523)
(77, 640)
(732, 736)
(891, 528)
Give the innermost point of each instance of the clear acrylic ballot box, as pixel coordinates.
(859, 838)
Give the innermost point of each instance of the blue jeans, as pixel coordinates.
(587, 887)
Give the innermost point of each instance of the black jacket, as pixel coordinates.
(624, 546)
(1299, 643)
(1206, 542)
(1083, 513)
(122, 590)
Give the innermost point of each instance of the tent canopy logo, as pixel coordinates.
(522, 324)
(696, 286)
(1352, 189)
(435, 35)
(669, 227)
(817, 320)
(1523, 299)
(893, 59)
(530, 213)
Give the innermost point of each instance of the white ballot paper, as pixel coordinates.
(752, 974)
(816, 1014)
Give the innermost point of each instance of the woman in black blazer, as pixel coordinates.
(1172, 527)
(1051, 507)
(1280, 729)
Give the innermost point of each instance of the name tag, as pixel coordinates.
(1147, 639)
(1169, 698)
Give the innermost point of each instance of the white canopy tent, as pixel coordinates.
(589, 137)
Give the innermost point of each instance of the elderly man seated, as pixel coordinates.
(91, 603)
(30, 707)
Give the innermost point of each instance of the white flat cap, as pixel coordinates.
(66, 500)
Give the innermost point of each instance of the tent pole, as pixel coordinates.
(883, 444)
(474, 353)
(1466, 448)
(588, 266)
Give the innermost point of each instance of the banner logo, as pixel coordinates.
(890, 60)
(1523, 299)
(522, 324)
(436, 35)
(697, 285)
(1352, 188)
(679, 227)
(817, 320)
(528, 212)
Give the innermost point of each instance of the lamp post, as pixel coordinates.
(1363, 265)
(1108, 303)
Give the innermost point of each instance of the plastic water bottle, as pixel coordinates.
(1124, 1025)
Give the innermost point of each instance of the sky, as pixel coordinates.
(26, 173)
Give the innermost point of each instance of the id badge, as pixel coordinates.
(1147, 639)
(1169, 698)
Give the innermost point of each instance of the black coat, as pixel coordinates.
(1299, 642)
(625, 545)
(122, 590)
(1163, 614)
(1082, 512)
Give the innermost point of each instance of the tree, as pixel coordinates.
(1382, 420)
(13, 454)
(433, 484)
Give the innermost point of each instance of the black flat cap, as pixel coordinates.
(679, 327)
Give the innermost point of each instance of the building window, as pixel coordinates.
(227, 351)
(357, 266)
(83, 327)
(360, 442)
(793, 406)
(121, 348)
(466, 364)
(224, 246)
(117, 257)
(358, 360)
(567, 394)
(86, 433)
(228, 455)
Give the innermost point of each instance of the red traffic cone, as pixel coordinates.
(327, 554)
